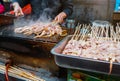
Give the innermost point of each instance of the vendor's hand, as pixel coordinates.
(60, 17)
(17, 9)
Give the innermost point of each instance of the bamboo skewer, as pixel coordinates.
(73, 37)
(86, 32)
(22, 73)
(78, 33)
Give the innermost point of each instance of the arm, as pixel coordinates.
(67, 9)
(22, 3)
(17, 4)
(67, 6)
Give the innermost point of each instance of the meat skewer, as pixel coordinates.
(100, 45)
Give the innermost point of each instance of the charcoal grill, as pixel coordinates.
(26, 50)
(80, 63)
(26, 44)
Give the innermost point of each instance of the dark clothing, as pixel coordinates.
(1, 2)
(49, 8)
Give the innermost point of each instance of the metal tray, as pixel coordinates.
(80, 63)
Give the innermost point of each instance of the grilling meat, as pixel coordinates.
(41, 29)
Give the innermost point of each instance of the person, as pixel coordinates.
(57, 10)
(2, 8)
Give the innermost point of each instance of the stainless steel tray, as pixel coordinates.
(75, 62)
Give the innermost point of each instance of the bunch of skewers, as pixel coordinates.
(99, 43)
(16, 71)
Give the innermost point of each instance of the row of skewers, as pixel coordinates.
(99, 43)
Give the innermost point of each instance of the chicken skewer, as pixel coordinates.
(102, 45)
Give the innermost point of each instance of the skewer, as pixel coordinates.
(79, 32)
(21, 71)
(86, 32)
(73, 37)
(102, 31)
(79, 35)
(93, 32)
(99, 33)
(118, 32)
(96, 31)
(107, 29)
(83, 32)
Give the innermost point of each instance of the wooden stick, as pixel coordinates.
(22, 73)
(79, 33)
(73, 37)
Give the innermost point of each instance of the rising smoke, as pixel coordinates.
(49, 9)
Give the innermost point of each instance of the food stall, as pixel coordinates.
(36, 56)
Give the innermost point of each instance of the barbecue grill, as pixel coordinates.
(26, 49)
(28, 44)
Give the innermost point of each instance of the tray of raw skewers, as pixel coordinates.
(50, 31)
(95, 49)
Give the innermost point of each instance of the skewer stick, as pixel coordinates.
(102, 31)
(117, 33)
(73, 37)
(83, 31)
(96, 31)
(110, 33)
(79, 32)
(113, 34)
(107, 29)
(99, 33)
(86, 32)
(93, 32)
(21, 71)
(24, 73)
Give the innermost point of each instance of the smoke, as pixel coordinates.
(46, 15)
(45, 12)
(50, 10)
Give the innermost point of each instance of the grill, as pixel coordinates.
(25, 44)
(23, 49)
